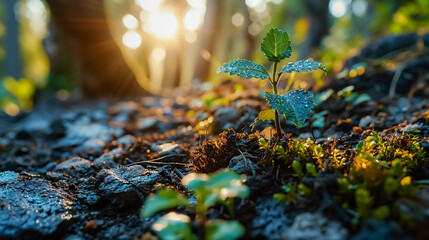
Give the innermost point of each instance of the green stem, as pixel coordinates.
(276, 112)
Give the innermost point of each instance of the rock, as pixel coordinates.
(248, 115)
(366, 121)
(241, 166)
(92, 145)
(412, 127)
(315, 226)
(169, 148)
(148, 124)
(75, 167)
(69, 141)
(107, 160)
(125, 187)
(85, 129)
(8, 177)
(126, 140)
(126, 107)
(375, 230)
(31, 209)
(224, 118)
(270, 220)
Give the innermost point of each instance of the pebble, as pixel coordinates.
(75, 167)
(126, 187)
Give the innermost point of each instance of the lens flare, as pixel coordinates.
(130, 21)
(192, 20)
(162, 24)
(132, 39)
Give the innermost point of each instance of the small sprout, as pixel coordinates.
(280, 151)
(297, 168)
(380, 213)
(288, 196)
(210, 190)
(295, 105)
(218, 229)
(311, 169)
(263, 144)
(174, 226)
(163, 199)
(364, 202)
(304, 190)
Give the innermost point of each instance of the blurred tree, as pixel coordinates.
(208, 33)
(103, 69)
(318, 13)
(13, 59)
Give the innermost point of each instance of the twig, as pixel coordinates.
(245, 162)
(159, 163)
(395, 80)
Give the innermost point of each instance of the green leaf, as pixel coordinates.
(311, 169)
(362, 98)
(244, 68)
(173, 226)
(276, 45)
(162, 200)
(302, 66)
(221, 230)
(296, 105)
(213, 189)
(296, 166)
(266, 115)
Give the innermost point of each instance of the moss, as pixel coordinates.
(375, 180)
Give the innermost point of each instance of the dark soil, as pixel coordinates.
(82, 169)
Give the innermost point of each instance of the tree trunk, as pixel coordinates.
(103, 69)
(318, 12)
(13, 58)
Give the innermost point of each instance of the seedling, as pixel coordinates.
(210, 190)
(295, 105)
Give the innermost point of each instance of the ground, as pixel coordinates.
(82, 169)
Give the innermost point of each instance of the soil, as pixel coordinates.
(82, 169)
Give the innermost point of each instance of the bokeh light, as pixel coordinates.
(162, 24)
(192, 20)
(132, 39)
(130, 21)
(149, 5)
(237, 19)
(338, 8)
(359, 7)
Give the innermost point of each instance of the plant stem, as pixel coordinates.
(202, 221)
(276, 112)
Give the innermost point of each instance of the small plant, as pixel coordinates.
(210, 190)
(295, 105)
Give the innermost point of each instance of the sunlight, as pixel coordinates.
(338, 8)
(149, 5)
(35, 10)
(132, 39)
(162, 24)
(197, 4)
(192, 20)
(158, 54)
(130, 21)
(237, 19)
(191, 36)
(359, 7)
